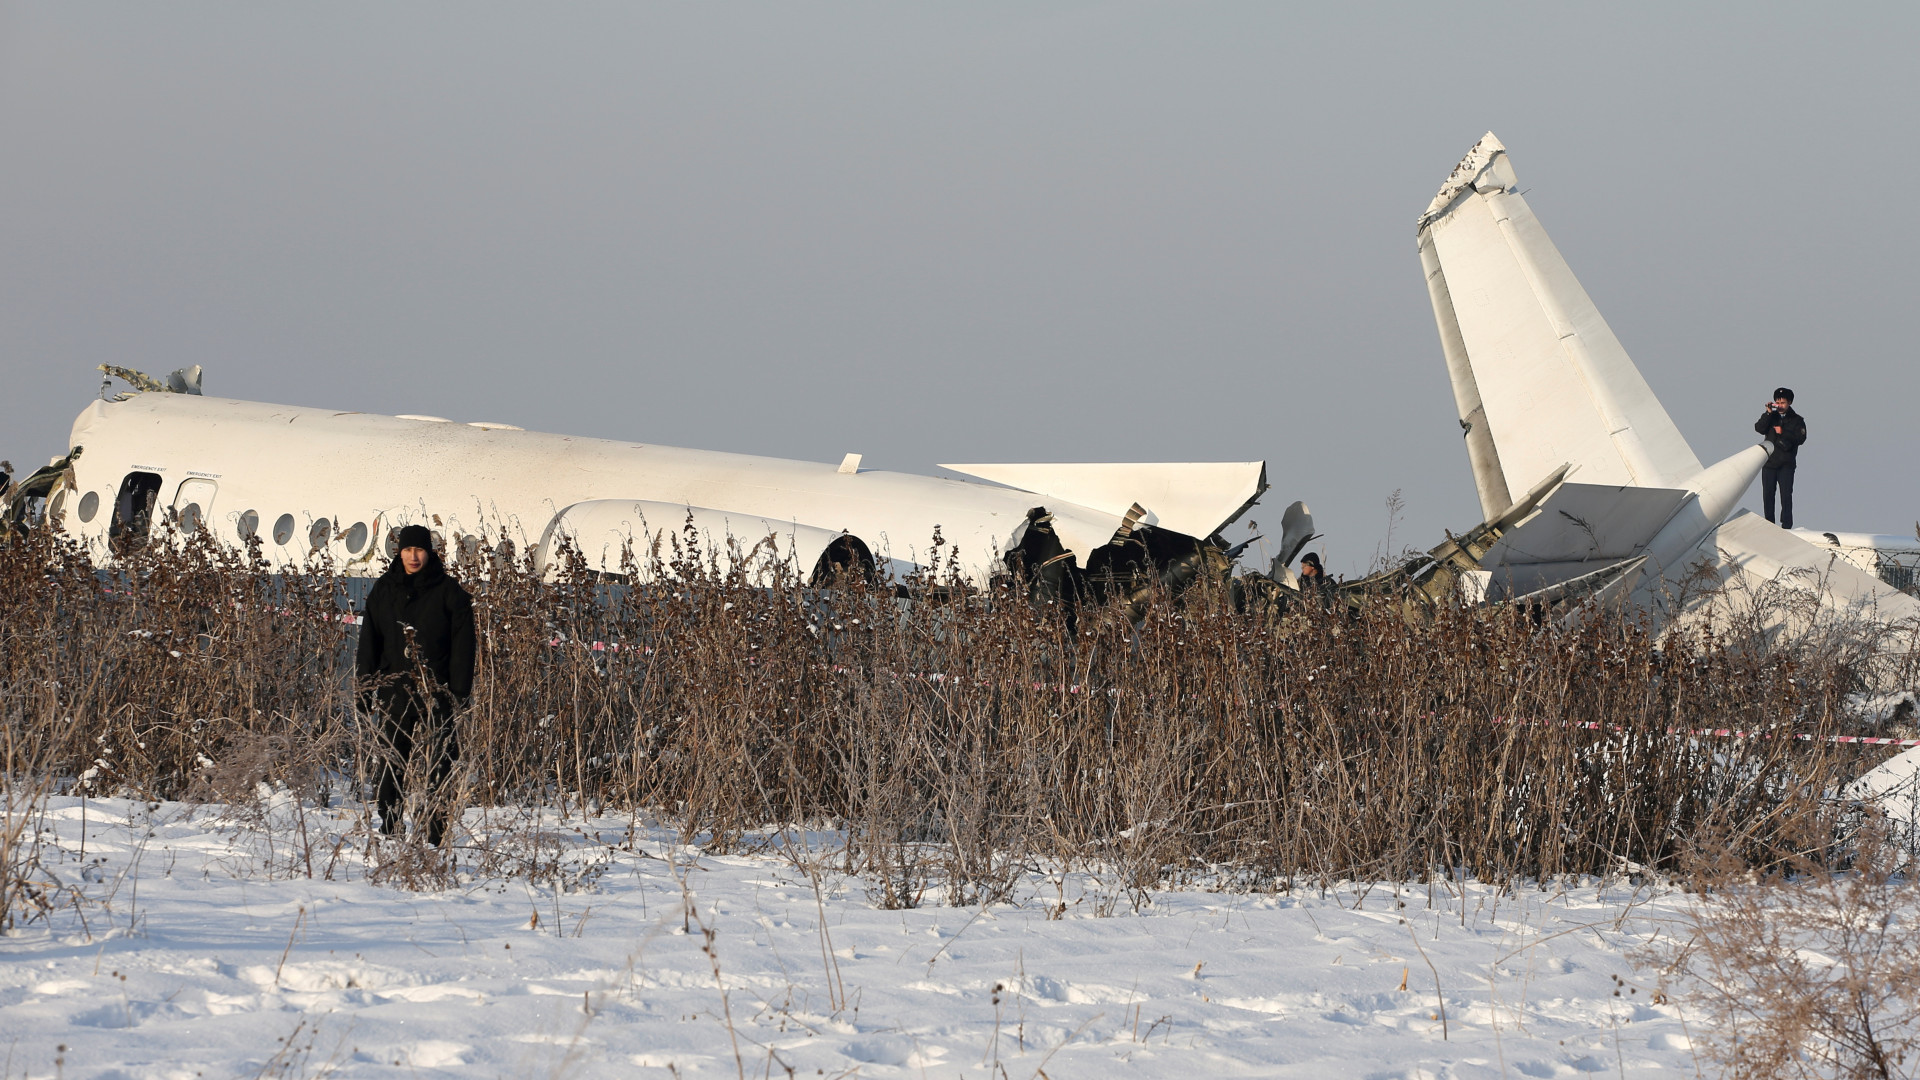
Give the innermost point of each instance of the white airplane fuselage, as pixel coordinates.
(311, 482)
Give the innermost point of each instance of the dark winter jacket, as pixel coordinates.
(1786, 445)
(441, 615)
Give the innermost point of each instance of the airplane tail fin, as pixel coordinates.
(1538, 377)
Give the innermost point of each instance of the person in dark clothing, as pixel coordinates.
(1315, 585)
(1784, 431)
(415, 668)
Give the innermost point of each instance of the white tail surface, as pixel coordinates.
(1538, 376)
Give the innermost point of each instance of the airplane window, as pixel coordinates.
(190, 518)
(357, 537)
(317, 536)
(283, 529)
(248, 525)
(393, 545)
(469, 547)
(89, 505)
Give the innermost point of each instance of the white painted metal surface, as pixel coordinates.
(1891, 557)
(1541, 382)
(1553, 381)
(321, 481)
(644, 541)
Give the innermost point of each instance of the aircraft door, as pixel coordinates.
(133, 508)
(193, 502)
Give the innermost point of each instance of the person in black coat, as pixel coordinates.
(1784, 431)
(415, 668)
(1315, 585)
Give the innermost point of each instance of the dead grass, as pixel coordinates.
(957, 738)
(1805, 970)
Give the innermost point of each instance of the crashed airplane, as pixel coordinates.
(1588, 491)
(1586, 485)
(312, 483)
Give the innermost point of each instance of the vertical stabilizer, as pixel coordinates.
(1538, 376)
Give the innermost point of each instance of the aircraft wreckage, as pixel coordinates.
(1587, 489)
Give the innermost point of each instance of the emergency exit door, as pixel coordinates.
(193, 503)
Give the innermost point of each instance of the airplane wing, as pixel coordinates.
(1538, 376)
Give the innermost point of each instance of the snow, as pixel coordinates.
(207, 950)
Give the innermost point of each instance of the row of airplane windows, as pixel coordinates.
(139, 493)
(133, 511)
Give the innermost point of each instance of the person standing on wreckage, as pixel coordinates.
(415, 669)
(1784, 431)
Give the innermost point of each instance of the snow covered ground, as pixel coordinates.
(209, 952)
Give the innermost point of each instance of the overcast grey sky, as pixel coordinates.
(979, 232)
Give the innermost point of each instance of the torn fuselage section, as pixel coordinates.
(1480, 565)
(37, 497)
(1140, 561)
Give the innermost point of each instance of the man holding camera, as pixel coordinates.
(1784, 431)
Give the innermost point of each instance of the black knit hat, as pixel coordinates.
(1311, 558)
(1783, 392)
(414, 536)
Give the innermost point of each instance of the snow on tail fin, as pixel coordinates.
(1538, 377)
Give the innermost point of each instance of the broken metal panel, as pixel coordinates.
(1195, 498)
(184, 380)
(1296, 532)
(40, 492)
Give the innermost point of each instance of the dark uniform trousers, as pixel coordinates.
(1781, 478)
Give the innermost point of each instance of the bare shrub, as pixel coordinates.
(1806, 972)
(958, 736)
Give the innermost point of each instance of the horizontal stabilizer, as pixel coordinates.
(1893, 789)
(1587, 522)
(1195, 498)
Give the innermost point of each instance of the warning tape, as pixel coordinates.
(1736, 733)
